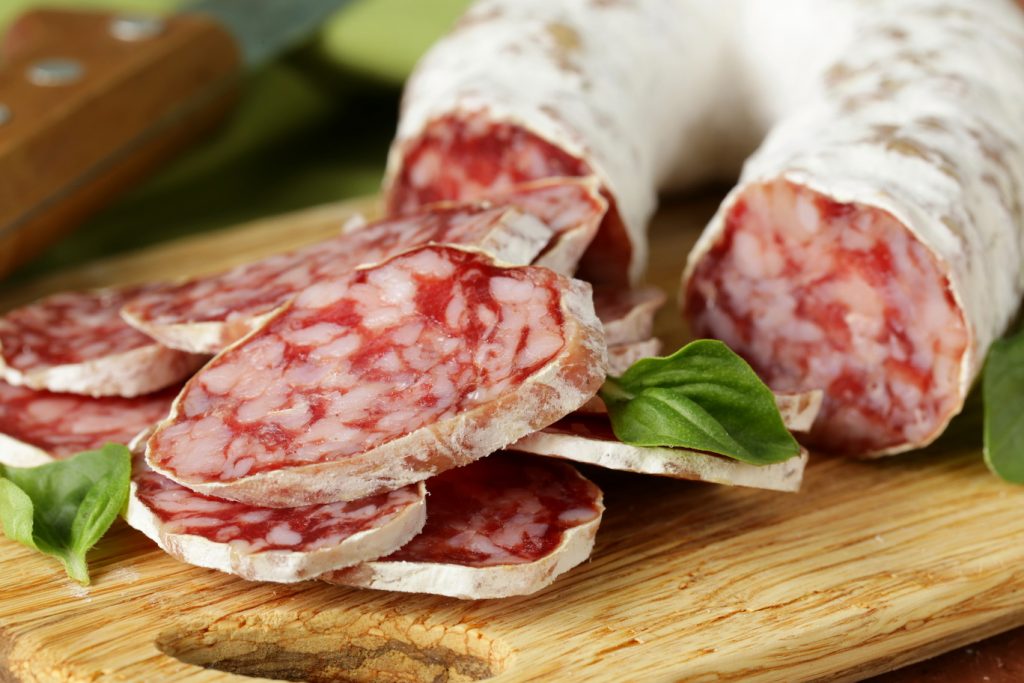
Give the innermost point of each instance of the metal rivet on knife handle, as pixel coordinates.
(54, 72)
(131, 28)
(5, 114)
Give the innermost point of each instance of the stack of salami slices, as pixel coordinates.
(289, 417)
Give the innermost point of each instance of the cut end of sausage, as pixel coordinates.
(282, 545)
(473, 156)
(505, 525)
(818, 294)
(383, 378)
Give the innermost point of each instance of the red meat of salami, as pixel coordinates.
(39, 426)
(77, 342)
(208, 313)
(505, 525)
(270, 544)
(384, 377)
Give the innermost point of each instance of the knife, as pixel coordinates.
(92, 103)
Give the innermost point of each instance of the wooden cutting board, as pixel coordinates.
(872, 566)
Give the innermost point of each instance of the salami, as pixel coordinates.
(505, 525)
(874, 244)
(621, 356)
(283, 545)
(589, 439)
(76, 342)
(37, 427)
(384, 377)
(572, 207)
(627, 314)
(529, 89)
(207, 314)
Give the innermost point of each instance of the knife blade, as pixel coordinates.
(92, 103)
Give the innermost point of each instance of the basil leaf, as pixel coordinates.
(703, 397)
(1003, 395)
(63, 508)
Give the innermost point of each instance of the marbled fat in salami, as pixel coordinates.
(77, 342)
(270, 544)
(209, 313)
(505, 525)
(384, 377)
(37, 427)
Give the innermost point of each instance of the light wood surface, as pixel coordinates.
(873, 565)
(69, 149)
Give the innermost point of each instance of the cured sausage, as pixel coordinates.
(621, 356)
(37, 427)
(627, 314)
(283, 545)
(589, 439)
(529, 89)
(207, 314)
(76, 342)
(505, 525)
(384, 377)
(874, 245)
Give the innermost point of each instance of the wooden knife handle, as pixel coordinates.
(71, 144)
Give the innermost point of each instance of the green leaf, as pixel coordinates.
(1003, 395)
(63, 508)
(703, 397)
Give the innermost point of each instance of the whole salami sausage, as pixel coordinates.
(874, 245)
(37, 427)
(505, 525)
(209, 313)
(76, 342)
(283, 545)
(383, 377)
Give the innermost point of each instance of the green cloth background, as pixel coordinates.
(312, 127)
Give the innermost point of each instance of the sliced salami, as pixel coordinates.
(621, 356)
(572, 207)
(505, 525)
(76, 342)
(627, 314)
(589, 439)
(209, 313)
(37, 427)
(283, 545)
(384, 377)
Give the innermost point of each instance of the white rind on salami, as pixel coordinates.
(209, 313)
(76, 342)
(271, 544)
(383, 378)
(589, 438)
(37, 427)
(502, 526)
(530, 89)
(621, 356)
(892, 182)
(627, 314)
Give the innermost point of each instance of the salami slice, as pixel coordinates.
(589, 439)
(385, 377)
(209, 313)
(627, 314)
(37, 427)
(283, 545)
(572, 207)
(874, 244)
(621, 356)
(76, 342)
(505, 525)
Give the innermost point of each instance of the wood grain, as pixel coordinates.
(872, 566)
(69, 149)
